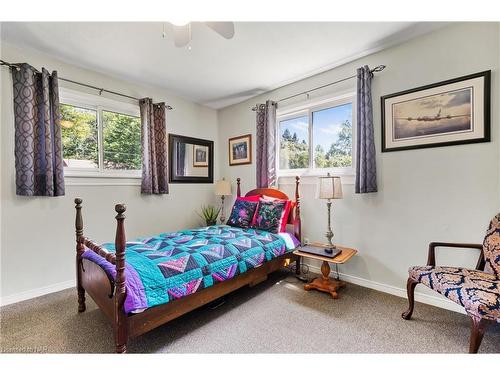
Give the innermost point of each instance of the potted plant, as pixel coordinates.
(209, 214)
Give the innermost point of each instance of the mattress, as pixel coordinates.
(170, 266)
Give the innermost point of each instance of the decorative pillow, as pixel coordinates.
(286, 213)
(270, 215)
(251, 198)
(242, 213)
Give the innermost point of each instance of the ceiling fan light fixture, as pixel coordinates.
(182, 31)
(179, 22)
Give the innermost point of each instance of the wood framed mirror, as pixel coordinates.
(191, 160)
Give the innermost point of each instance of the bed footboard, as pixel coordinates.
(108, 294)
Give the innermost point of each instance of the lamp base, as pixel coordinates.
(330, 249)
(222, 216)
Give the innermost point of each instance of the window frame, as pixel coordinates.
(99, 104)
(307, 108)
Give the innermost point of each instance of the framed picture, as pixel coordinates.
(240, 150)
(200, 156)
(446, 113)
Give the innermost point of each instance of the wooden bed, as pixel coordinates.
(110, 294)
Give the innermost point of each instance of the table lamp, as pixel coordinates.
(222, 188)
(329, 187)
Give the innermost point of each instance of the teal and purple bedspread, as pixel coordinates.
(169, 266)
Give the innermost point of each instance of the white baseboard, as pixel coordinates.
(437, 300)
(428, 299)
(18, 297)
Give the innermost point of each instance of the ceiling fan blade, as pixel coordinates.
(224, 29)
(182, 35)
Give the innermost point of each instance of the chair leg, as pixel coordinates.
(478, 328)
(410, 288)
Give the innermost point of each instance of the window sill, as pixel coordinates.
(91, 178)
(310, 177)
(103, 181)
(96, 174)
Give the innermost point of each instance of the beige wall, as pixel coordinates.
(446, 193)
(37, 242)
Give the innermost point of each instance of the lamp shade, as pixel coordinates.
(222, 187)
(329, 187)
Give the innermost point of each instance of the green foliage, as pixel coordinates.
(79, 133)
(209, 214)
(121, 137)
(122, 141)
(295, 154)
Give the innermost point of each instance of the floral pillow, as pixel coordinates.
(242, 213)
(270, 215)
(286, 213)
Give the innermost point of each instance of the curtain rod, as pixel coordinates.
(101, 90)
(374, 70)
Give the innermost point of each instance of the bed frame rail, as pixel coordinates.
(90, 244)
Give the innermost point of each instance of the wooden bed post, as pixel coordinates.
(297, 223)
(120, 289)
(79, 251)
(238, 187)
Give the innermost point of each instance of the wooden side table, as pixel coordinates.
(325, 283)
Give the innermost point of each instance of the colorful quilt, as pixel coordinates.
(169, 266)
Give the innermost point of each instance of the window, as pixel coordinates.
(317, 136)
(79, 137)
(294, 143)
(121, 141)
(332, 136)
(101, 137)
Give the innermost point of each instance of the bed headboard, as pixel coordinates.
(294, 217)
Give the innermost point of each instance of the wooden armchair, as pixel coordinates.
(478, 290)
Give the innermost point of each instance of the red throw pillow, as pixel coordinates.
(251, 198)
(286, 214)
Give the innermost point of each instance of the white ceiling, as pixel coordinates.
(215, 72)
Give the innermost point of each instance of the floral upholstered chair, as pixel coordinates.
(478, 290)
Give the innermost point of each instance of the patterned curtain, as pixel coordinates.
(266, 144)
(154, 147)
(366, 171)
(38, 149)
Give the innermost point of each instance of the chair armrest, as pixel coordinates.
(431, 258)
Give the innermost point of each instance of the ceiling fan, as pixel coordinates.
(182, 31)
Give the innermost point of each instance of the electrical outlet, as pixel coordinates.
(306, 241)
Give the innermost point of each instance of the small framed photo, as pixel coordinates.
(200, 156)
(240, 150)
(446, 113)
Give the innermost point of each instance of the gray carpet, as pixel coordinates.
(276, 316)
